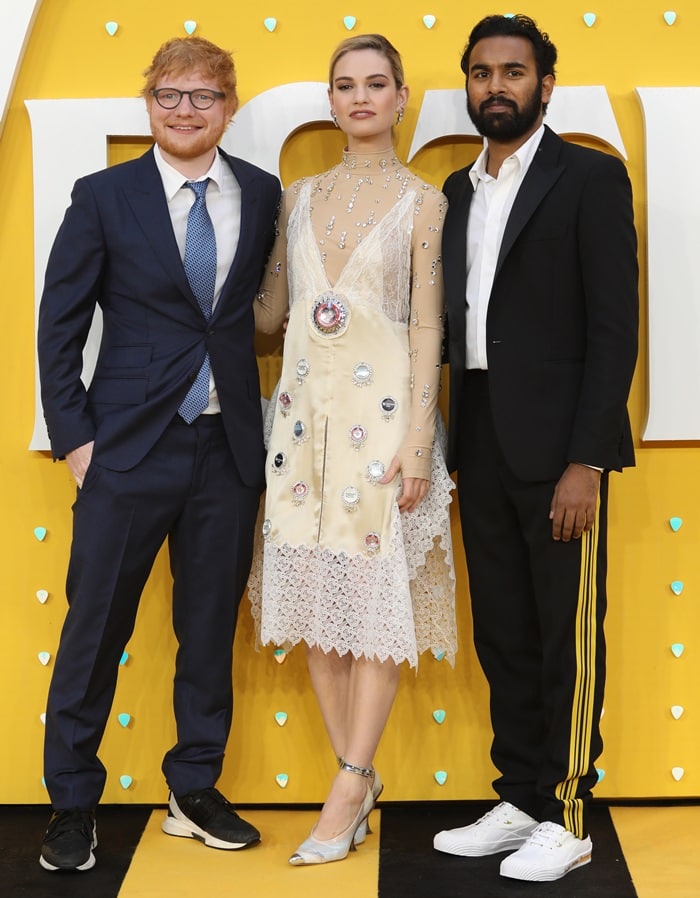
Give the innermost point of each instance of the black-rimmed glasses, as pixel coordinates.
(171, 97)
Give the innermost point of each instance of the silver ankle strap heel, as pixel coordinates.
(323, 851)
(351, 768)
(364, 829)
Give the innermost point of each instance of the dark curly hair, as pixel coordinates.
(514, 26)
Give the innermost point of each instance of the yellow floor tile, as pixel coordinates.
(168, 867)
(660, 845)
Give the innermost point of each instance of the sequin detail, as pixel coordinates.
(362, 374)
(387, 406)
(351, 498)
(375, 471)
(372, 541)
(299, 492)
(330, 315)
(279, 463)
(285, 403)
(358, 435)
(299, 434)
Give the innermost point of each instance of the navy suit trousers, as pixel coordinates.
(186, 490)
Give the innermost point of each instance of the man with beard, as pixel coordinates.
(541, 283)
(167, 441)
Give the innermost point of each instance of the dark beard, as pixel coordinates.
(507, 126)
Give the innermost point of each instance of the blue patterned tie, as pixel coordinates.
(200, 268)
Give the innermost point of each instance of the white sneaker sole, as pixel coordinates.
(186, 829)
(547, 875)
(88, 865)
(451, 844)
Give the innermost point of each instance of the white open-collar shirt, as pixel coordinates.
(488, 213)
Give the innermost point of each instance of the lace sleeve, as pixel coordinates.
(425, 330)
(272, 301)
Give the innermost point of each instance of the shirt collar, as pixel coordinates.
(173, 180)
(524, 155)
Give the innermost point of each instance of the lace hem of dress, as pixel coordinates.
(397, 605)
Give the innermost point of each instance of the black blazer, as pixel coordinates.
(116, 249)
(562, 319)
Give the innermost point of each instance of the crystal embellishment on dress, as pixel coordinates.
(330, 315)
(375, 471)
(299, 492)
(266, 528)
(362, 374)
(299, 432)
(372, 542)
(303, 368)
(387, 404)
(358, 435)
(351, 498)
(279, 463)
(285, 403)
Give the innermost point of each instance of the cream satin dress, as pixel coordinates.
(341, 568)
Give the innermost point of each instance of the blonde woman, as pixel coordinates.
(357, 553)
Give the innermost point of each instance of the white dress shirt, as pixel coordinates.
(224, 207)
(488, 213)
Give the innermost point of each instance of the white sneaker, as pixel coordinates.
(504, 828)
(549, 853)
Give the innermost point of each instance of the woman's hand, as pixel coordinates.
(414, 488)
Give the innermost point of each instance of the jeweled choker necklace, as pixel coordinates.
(384, 160)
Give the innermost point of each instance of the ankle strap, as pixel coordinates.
(351, 768)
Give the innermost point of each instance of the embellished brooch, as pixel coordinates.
(330, 315)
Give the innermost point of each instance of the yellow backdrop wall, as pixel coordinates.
(70, 54)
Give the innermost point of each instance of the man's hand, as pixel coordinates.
(574, 502)
(414, 489)
(78, 461)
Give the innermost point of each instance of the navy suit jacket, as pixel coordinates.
(116, 249)
(561, 327)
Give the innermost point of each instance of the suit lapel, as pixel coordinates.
(249, 217)
(454, 252)
(543, 173)
(147, 200)
(455, 234)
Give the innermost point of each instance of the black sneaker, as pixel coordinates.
(69, 841)
(206, 815)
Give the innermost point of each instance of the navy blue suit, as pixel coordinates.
(151, 476)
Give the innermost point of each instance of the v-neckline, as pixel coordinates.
(317, 253)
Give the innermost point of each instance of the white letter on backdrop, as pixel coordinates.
(263, 124)
(573, 110)
(69, 140)
(672, 132)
